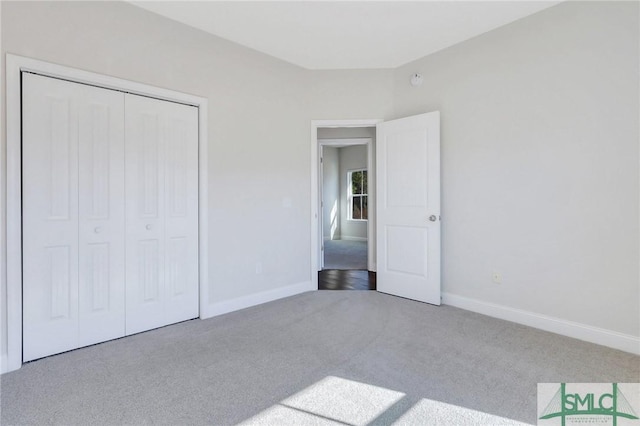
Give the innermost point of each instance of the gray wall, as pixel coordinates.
(331, 193)
(540, 162)
(351, 157)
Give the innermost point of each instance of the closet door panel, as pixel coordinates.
(110, 214)
(73, 281)
(50, 216)
(101, 218)
(162, 206)
(145, 152)
(181, 206)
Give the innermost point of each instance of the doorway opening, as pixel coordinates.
(346, 207)
(407, 168)
(344, 191)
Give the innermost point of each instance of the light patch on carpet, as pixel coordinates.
(285, 416)
(338, 401)
(332, 400)
(429, 412)
(344, 400)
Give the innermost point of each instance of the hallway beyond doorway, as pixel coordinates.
(345, 254)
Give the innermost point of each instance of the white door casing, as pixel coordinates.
(408, 207)
(162, 213)
(73, 215)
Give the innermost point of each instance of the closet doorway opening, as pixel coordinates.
(65, 306)
(346, 182)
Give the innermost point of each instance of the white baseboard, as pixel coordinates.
(255, 299)
(600, 336)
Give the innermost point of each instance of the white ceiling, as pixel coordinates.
(346, 34)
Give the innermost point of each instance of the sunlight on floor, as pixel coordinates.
(344, 400)
(328, 401)
(428, 411)
(338, 401)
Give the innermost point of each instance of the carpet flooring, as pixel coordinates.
(323, 357)
(345, 254)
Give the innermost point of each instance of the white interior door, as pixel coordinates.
(71, 299)
(408, 207)
(162, 212)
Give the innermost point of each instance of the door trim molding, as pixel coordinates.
(316, 238)
(15, 65)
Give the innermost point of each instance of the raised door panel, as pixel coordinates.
(101, 217)
(406, 170)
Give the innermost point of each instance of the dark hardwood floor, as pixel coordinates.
(334, 279)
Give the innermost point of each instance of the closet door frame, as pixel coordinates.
(15, 66)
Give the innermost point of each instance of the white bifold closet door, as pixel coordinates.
(110, 214)
(73, 215)
(162, 212)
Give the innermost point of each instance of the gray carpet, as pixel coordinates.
(344, 254)
(316, 358)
